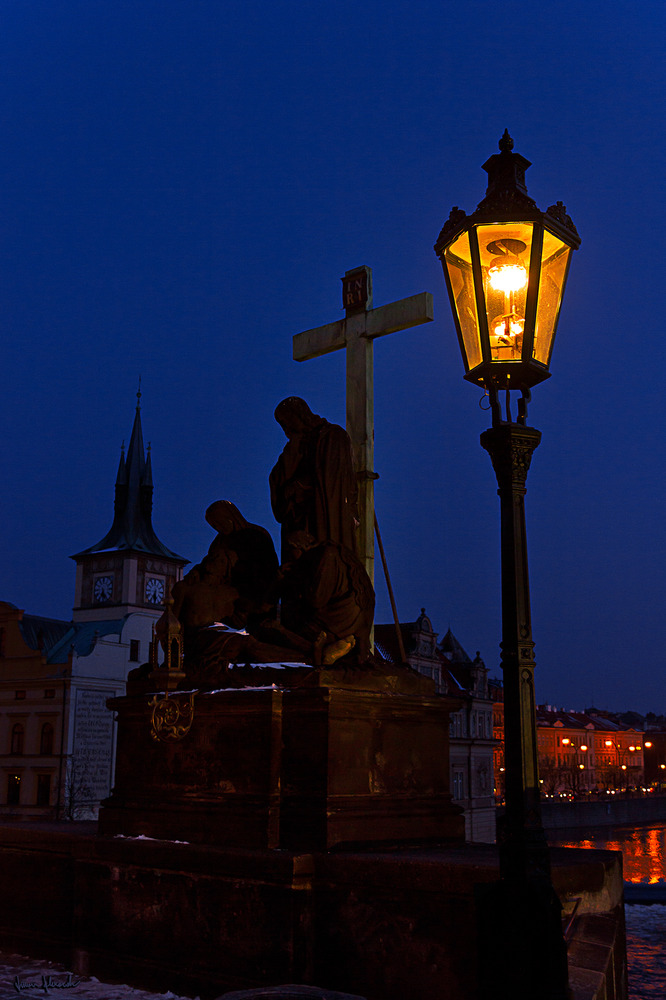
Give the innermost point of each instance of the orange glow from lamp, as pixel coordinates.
(505, 267)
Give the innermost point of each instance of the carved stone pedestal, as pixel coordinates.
(303, 768)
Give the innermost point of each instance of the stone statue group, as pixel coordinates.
(316, 606)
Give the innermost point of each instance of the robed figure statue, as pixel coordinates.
(313, 484)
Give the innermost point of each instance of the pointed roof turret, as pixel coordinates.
(452, 648)
(132, 528)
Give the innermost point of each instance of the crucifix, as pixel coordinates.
(356, 332)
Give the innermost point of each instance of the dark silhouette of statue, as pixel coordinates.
(227, 604)
(221, 602)
(244, 555)
(328, 599)
(313, 484)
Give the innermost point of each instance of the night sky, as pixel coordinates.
(184, 182)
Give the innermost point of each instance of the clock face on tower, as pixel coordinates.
(154, 590)
(103, 589)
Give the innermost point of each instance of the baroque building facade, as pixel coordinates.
(584, 753)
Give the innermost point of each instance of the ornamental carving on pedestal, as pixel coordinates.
(172, 717)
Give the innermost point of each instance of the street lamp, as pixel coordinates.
(505, 268)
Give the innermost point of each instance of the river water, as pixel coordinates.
(644, 860)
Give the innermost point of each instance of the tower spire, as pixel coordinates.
(132, 527)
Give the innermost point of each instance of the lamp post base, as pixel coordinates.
(521, 944)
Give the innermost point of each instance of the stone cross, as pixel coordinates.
(356, 332)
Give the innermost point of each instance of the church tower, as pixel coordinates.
(129, 569)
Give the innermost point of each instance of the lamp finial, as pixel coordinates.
(506, 142)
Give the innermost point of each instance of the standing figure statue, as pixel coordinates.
(313, 484)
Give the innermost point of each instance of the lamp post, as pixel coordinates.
(505, 268)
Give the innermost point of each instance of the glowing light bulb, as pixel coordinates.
(507, 275)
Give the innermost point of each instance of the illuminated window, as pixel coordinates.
(13, 789)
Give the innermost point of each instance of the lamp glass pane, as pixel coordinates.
(459, 266)
(554, 260)
(505, 264)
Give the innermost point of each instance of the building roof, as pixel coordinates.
(82, 636)
(452, 648)
(132, 528)
(42, 633)
(603, 722)
(386, 641)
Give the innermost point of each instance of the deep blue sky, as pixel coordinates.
(182, 185)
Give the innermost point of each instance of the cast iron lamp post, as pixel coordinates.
(505, 268)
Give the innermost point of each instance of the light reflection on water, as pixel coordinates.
(643, 849)
(643, 852)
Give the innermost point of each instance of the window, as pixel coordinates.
(13, 789)
(43, 789)
(19, 695)
(18, 735)
(134, 650)
(46, 739)
(49, 693)
(458, 785)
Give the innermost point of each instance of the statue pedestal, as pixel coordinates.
(300, 768)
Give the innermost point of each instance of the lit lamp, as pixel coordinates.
(505, 268)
